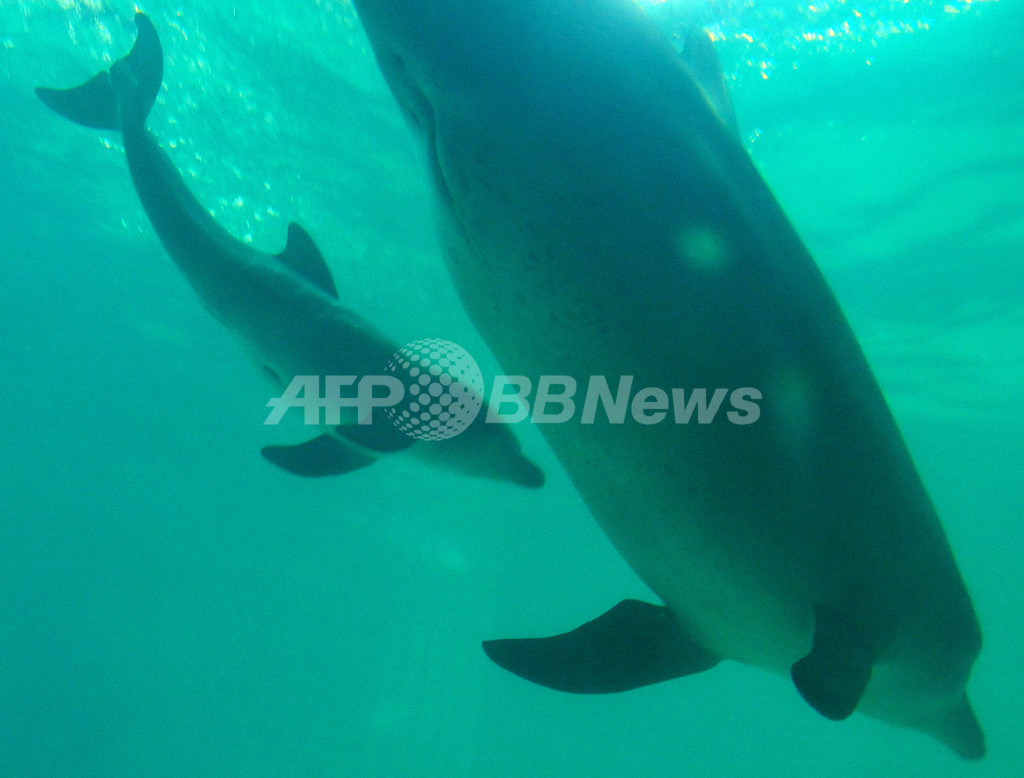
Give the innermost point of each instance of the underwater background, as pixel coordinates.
(170, 604)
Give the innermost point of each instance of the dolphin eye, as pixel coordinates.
(396, 63)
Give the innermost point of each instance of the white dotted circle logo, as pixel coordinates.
(444, 389)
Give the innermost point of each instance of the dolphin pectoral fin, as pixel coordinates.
(833, 676)
(634, 644)
(702, 60)
(382, 438)
(325, 455)
(301, 255)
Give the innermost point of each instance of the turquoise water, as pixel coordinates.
(172, 605)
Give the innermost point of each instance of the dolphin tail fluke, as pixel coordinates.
(125, 95)
(634, 644)
(93, 104)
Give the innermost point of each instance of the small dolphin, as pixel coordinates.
(591, 188)
(283, 306)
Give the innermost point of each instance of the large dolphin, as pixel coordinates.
(284, 307)
(601, 218)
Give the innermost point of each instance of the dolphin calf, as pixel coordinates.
(600, 217)
(284, 306)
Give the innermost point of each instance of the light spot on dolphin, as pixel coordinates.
(703, 249)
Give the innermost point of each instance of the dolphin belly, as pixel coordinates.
(601, 218)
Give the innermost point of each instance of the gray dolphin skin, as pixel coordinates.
(284, 307)
(600, 217)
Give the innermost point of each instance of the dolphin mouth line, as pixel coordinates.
(420, 113)
(434, 160)
(429, 128)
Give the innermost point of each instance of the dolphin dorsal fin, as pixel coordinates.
(700, 57)
(302, 256)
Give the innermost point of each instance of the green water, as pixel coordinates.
(172, 605)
